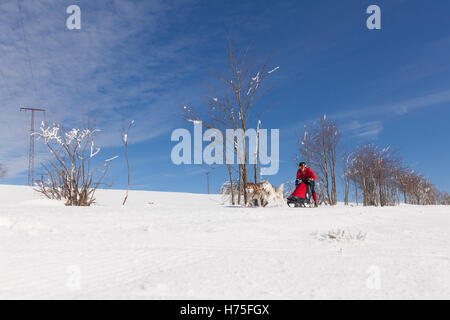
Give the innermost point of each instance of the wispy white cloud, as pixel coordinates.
(398, 108)
(360, 126)
(112, 68)
(364, 130)
(430, 62)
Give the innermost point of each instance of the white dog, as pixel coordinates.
(260, 194)
(274, 193)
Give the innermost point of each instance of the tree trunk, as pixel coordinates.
(240, 184)
(244, 181)
(346, 190)
(231, 184)
(128, 168)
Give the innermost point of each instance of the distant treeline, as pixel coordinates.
(377, 175)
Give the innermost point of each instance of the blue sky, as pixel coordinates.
(144, 60)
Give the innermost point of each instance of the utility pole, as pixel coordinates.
(31, 148)
(207, 179)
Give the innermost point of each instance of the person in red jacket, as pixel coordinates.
(307, 176)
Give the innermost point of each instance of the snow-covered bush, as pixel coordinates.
(227, 191)
(341, 235)
(70, 173)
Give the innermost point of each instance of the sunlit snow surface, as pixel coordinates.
(190, 246)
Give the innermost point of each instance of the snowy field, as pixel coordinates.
(190, 246)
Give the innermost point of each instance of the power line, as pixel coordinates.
(27, 48)
(5, 82)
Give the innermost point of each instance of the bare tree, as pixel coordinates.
(70, 172)
(216, 119)
(319, 147)
(346, 175)
(241, 88)
(445, 198)
(417, 189)
(355, 185)
(125, 135)
(364, 170)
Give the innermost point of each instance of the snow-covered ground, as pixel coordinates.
(190, 246)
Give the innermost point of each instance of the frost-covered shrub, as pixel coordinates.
(341, 235)
(70, 174)
(229, 192)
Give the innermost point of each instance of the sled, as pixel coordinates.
(301, 197)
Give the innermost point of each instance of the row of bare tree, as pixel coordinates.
(379, 176)
(383, 179)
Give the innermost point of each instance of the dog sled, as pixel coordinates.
(301, 197)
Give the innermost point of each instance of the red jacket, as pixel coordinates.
(308, 173)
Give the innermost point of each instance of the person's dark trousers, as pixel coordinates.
(308, 188)
(311, 189)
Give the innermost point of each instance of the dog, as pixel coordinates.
(274, 193)
(260, 194)
(257, 195)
